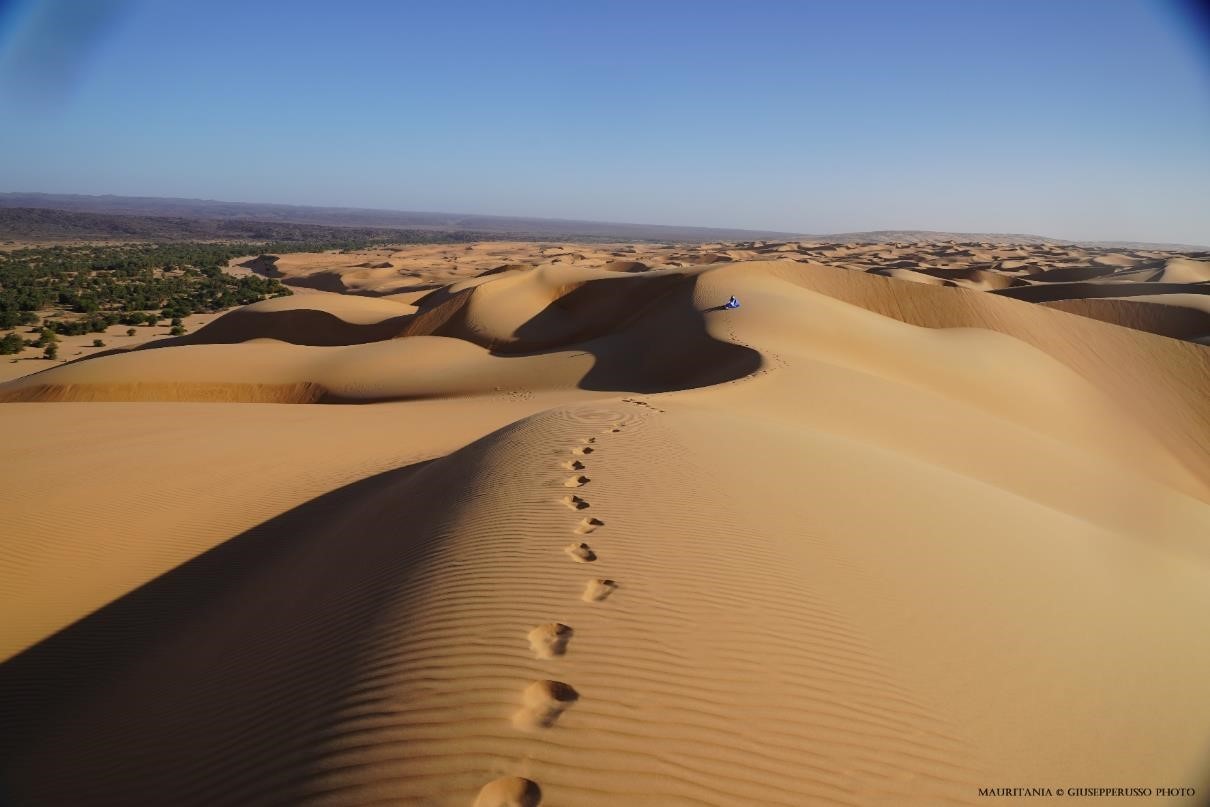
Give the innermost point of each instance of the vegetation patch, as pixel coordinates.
(85, 289)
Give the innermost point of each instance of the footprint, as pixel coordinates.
(582, 452)
(574, 502)
(590, 439)
(599, 589)
(574, 465)
(511, 791)
(576, 481)
(550, 640)
(588, 525)
(581, 553)
(543, 702)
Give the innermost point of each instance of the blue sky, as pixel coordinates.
(1071, 118)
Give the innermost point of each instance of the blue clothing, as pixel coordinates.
(732, 303)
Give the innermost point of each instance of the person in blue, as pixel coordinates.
(732, 303)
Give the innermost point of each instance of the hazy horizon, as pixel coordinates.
(755, 232)
(1077, 120)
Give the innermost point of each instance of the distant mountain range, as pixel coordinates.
(46, 225)
(52, 217)
(186, 213)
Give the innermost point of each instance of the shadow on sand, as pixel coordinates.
(221, 681)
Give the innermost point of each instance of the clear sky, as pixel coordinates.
(1086, 119)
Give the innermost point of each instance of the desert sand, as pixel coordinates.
(516, 524)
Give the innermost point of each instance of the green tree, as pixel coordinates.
(98, 343)
(51, 351)
(11, 343)
(177, 330)
(131, 331)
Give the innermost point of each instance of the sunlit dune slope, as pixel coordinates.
(594, 540)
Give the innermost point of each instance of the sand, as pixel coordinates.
(567, 533)
(72, 348)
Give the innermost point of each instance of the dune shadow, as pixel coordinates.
(1048, 292)
(264, 265)
(223, 681)
(645, 333)
(309, 327)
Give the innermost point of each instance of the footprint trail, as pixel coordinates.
(599, 590)
(581, 553)
(550, 640)
(588, 525)
(511, 791)
(575, 502)
(543, 702)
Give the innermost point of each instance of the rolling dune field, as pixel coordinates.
(509, 524)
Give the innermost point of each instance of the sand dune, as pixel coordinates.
(591, 539)
(1178, 316)
(327, 319)
(1075, 290)
(1184, 270)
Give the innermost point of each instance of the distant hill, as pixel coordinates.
(24, 224)
(230, 213)
(163, 219)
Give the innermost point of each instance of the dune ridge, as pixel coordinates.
(381, 600)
